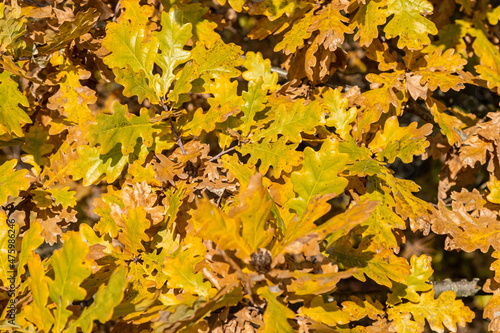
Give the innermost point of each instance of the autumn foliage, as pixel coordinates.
(236, 166)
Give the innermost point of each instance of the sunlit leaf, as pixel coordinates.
(319, 175)
(69, 272)
(12, 116)
(122, 128)
(12, 181)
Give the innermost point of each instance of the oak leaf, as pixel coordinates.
(226, 102)
(179, 268)
(295, 37)
(37, 311)
(68, 31)
(255, 99)
(36, 144)
(402, 142)
(319, 175)
(92, 166)
(408, 23)
(105, 300)
(489, 57)
(338, 114)
(330, 24)
(276, 315)
(243, 228)
(12, 28)
(12, 117)
(279, 156)
(328, 313)
(383, 219)
(369, 16)
(69, 272)
(310, 283)
(449, 125)
(417, 281)
(441, 312)
(258, 67)
(290, 119)
(494, 187)
(383, 267)
(32, 239)
(122, 128)
(63, 196)
(12, 181)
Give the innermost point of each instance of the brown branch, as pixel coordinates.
(172, 126)
(216, 157)
(227, 150)
(420, 111)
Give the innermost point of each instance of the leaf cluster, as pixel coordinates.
(229, 166)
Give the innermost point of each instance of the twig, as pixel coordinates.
(463, 288)
(172, 126)
(421, 111)
(282, 73)
(227, 151)
(222, 153)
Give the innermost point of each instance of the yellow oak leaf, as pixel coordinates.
(70, 271)
(290, 119)
(12, 181)
(494, 187)
(329, 22)
(122, 128)
(244, 227)
(37, 311)
(328, 313)
(379, 226)
(68, 31)
(276, 314)
(444, 311)
(12, 26)
(369, 16)
(489, 57)
(295, 37)
(258, 67)
(179, 268)
(319, 175)
(279, 156)
(450, 125)
(255, 99)
(403, 142)
(337, 112)
(383, 267)
(417, 281)
(408, 23)
(12, 117)
(105, 300)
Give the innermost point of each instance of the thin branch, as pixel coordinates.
(172, 126)
(282, 73)
(425, 114)
(463, 288)
(420, 111)
(216, 157)
(227, 151)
